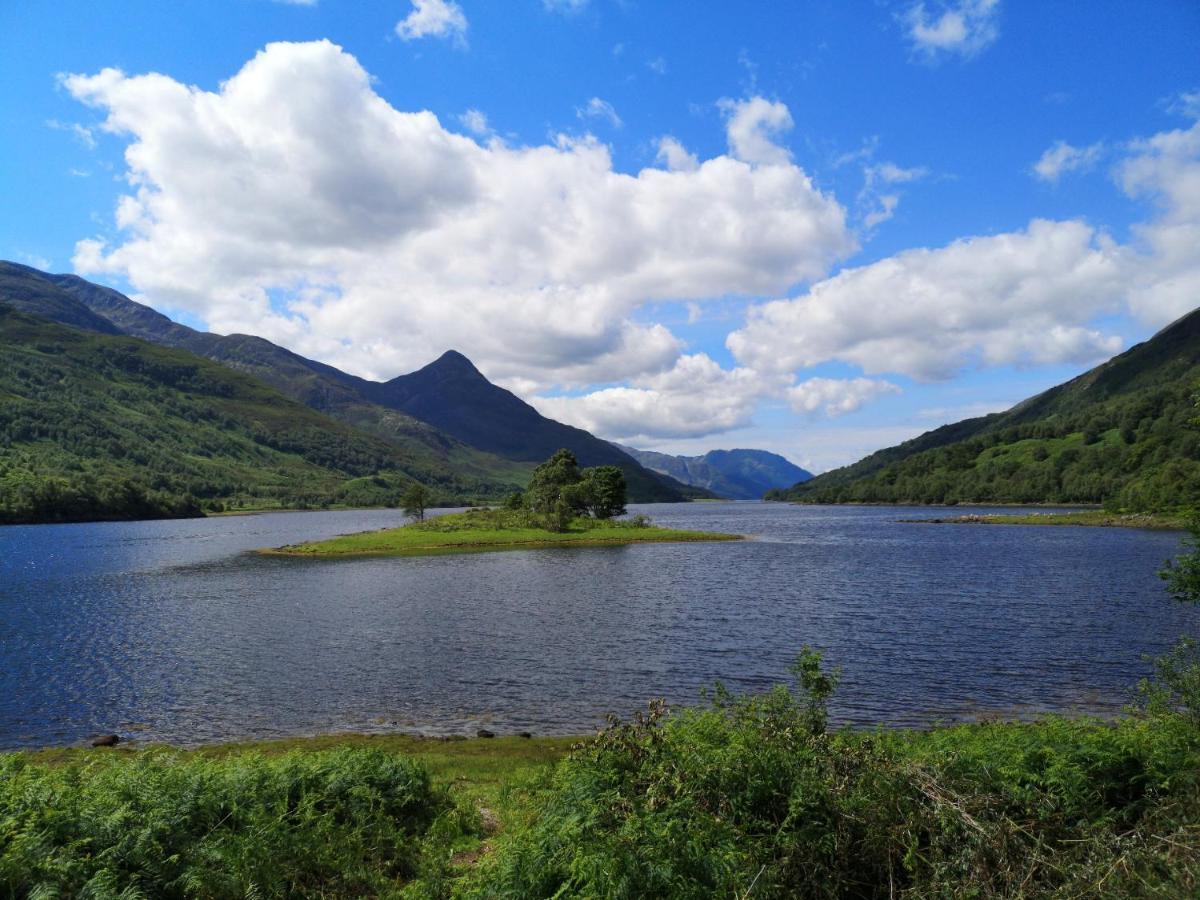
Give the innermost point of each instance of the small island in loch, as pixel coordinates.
(492, 529)
(564, 506)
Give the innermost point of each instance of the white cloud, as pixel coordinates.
(836, 396)
(35, 260)
(600, 109)
(1062, 158)
(964, 27)
(433, 18)
(696, 397)
(298, 204)
(880, 206)
(1166, 169)
(675, 156)
(81, 133)
(1019, 298)
(750, 126)
(476, 122)
(564, 6)
(296, 2)
(884, 210)
(657, 65)
(1185, 103)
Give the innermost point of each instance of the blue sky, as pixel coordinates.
(817, 228)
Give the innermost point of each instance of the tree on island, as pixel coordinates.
(559, 491)
(414, 501)
(604, 491)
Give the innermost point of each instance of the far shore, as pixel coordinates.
(1090, 518)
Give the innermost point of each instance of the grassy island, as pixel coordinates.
(492, 529)
(1093, 517)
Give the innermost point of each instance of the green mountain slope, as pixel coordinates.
(453, 395)
(477, 429)
(1123, 434)
(96, 426)
(732, 474)
(71, 300)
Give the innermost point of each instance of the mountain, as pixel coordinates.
(29, 291)
(451, 394)
(99, 426)
(1124, 434)
(447, 412)
(732, 474)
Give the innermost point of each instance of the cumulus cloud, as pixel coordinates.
(1165, 169)
(964, 28)
(433, 18)
(1062, 158)
(696, 397)
(296, 203)
(1025, 297)
(836, 396)
(751, 126)
(600, 109)
(675, 156)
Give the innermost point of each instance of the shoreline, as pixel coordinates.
(1079, 518)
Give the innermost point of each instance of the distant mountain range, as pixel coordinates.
(1125, 434)
(445, 425)
(732, 474)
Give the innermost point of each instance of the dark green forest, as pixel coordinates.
(95, 426)
(1123, 435)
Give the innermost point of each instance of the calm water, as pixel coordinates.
(171, 631)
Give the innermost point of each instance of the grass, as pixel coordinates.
(1089, 517)
(481, 529)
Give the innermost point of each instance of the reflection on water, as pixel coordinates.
(172, 631)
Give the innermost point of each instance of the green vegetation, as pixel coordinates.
(751, 797)
(94, 426)
(465, 435)
(747, 796)
(492, 529)
(343, 823)
(1091, 517)
(1176, 687)
(1123, 435)
(559, 492)
(415, 500)
(564, 506)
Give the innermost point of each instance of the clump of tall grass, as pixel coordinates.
(343, 823)
(752, 797)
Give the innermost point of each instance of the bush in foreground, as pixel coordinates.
(345, 823)
(750, 797)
